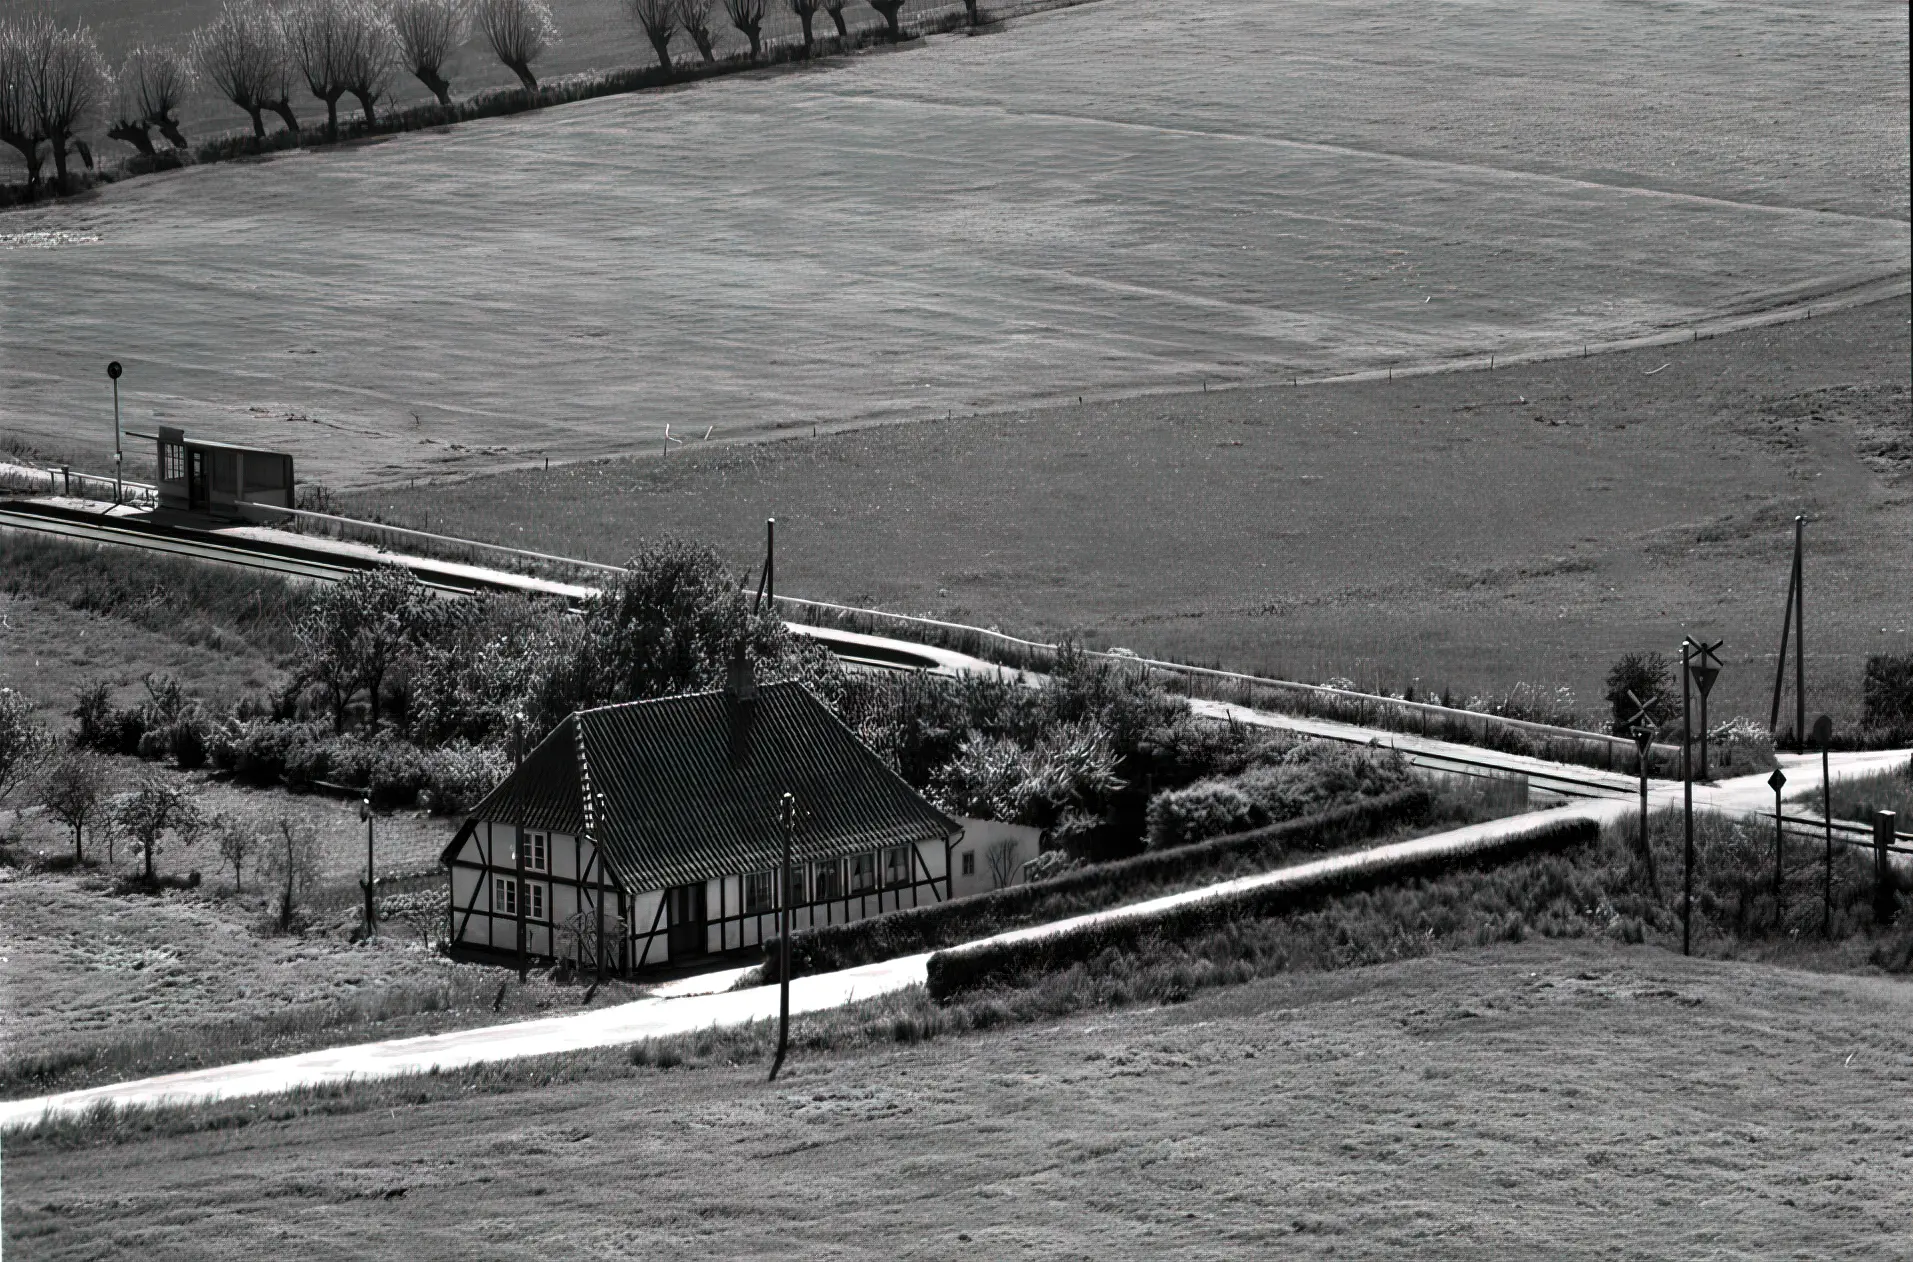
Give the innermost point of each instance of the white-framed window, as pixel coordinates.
(534, 900)
(827, 879)
(969, 863)
(863, 872)
(897, 868)
(172, 462)
(537, 852)
(504, 896)
(760, 892)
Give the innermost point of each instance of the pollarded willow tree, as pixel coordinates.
(805, 10)
(429, 31)
(694, 16)
(371, 55)
(320, 39)
(19, 126)
(148, 89)
(748, 17)
(889, 9)
(836, 10)
(659, 18)
(519, 32)
(242, 53)
(70, 85)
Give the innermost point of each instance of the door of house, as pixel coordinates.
(195, 479)
(687, 921)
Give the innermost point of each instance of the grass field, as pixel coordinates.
(1101, 200)
(1566, 1100)
(1465, 530)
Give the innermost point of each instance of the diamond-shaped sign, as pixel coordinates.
(1777, 779)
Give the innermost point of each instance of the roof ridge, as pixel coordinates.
(684, 696)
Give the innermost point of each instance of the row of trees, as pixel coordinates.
(56, 89)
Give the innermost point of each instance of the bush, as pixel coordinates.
(1887, 691)
(1089, 887)
(1009, 962)
(1311, 777)
(1649, 676)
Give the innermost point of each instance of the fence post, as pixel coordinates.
(1885, 901)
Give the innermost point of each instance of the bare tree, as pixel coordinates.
(659, 18)
(429, 31)
(242, 53)
(805, 11)
(694, 16)
(282, 70)
(155, 807)
(836, 10)
(19, 125)
(74, 791)
(236, 844)
(889, 9)
(371, 56)
(292, 863)
(69, 84)
(748, 17)
(319, 34)
(519, 31)
(150, 85)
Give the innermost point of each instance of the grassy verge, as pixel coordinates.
(1863, 797)
(219, 607)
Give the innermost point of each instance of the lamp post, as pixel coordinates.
(113, 370)
(371, 910)
(787, 811)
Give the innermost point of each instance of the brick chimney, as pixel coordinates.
(740, 703)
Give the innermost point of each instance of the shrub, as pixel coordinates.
(1649, 676)
(1310, 777)
(1887, 691)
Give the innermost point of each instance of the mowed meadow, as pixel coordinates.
(1110, 199)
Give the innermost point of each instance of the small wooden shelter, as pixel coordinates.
(199, 476)
(649, 833)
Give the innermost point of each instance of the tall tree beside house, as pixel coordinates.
(670, 624)
(157, 806)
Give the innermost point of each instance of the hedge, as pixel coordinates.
(1086, 889)
(981, 965)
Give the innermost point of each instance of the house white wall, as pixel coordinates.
(1012, 845)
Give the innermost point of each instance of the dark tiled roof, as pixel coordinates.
(671, 806)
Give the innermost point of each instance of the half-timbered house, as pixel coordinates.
(649, 833)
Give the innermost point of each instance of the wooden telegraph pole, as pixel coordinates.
(113, 370)
(1687, 810)
(785, 922)
(1794, 625)
(1823, 736)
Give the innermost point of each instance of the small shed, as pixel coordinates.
(649, 833)
(199, 476)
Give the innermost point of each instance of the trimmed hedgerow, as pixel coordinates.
(1090, 888)
(1008, 963)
